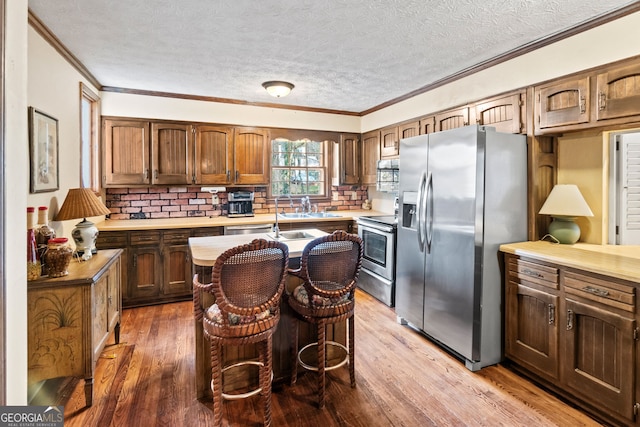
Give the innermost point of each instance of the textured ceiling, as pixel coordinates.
(349, 55)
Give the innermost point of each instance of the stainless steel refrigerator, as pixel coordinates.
(463, 192)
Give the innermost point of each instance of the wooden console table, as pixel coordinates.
(70, 319)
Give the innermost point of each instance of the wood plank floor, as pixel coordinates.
(402, 380)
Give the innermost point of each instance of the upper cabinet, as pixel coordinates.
(140, 152)
(505, 114)
(370, 155)
(452, 119)
(563, 102)
(389, 142)
(171, 153)
(213, 154)
(346, 165)
(618, 92)
(250, 156)
(427, 125)
(125, 152)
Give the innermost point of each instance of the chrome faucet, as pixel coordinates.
(276, 229)
(306, 204)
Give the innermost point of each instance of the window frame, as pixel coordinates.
(93, 156)
(327, 170)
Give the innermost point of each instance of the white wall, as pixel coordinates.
(54, 88)
(16, 188)
(607, 43)
(155, 107)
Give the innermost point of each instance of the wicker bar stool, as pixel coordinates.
(247, 283)
(329, 268)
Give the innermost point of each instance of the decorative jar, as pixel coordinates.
(58, 256)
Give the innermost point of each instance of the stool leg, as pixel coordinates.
(265, 377)
(216, 379)
(321, 362)
(294, 350)
(352, 352)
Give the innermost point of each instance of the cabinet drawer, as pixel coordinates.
(176, 236)
(111, 239)
(144, 237)
(614, 294)
(535, 273)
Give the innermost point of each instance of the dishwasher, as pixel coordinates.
(248, 229)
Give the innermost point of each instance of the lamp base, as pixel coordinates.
(85, 235)
(564, 229)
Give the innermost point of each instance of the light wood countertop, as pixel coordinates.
(221, 221)
(621, 261)
(205, 250)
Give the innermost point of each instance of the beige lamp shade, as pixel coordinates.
(565, 200)
(81, 203)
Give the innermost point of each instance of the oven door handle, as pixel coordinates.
(375, 227)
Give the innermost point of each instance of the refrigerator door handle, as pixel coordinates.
(429, 213)
(420, 211)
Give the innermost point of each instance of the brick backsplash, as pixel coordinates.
(182, 202)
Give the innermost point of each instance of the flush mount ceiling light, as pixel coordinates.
(277, 89)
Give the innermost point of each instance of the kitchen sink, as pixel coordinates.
(292, 235)
(323, 215)
(308, 215)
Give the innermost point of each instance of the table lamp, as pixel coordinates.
(564, 204)
(83, 203)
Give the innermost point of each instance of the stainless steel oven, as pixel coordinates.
(378, 273)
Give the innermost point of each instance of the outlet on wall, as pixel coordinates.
(215, 200)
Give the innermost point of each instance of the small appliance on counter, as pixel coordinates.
(240, 204)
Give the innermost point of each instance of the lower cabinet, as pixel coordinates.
(577, 333)
(157, 263)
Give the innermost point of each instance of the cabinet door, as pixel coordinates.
(563, 103)
(409, 129)
(346, 166)
(144, 272)
(370, 156)
(619, 93)
(505, 114)
(251, 156)
(177, 270)
(531, 330)
(214, 154)
(125, 152)
(99, 316)
(599, 362)
(389, 143)
(114, 307)
(452, 119)
(171, 153)
(427, 125)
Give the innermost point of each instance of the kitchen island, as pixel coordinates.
(204, 251)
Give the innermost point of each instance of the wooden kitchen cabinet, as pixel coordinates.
(427, 125)
(126, 148)
(346, 160)
(562, 102)
(452, 119)
(251, 156)
(531, 337)
(172, 153)
(71, 318)
(156, 264)
(370, 155)
(389, 142)
(618, 92)
(505, 114)
(213, 154)
(577, 332)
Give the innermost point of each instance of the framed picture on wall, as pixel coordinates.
(43, 148)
